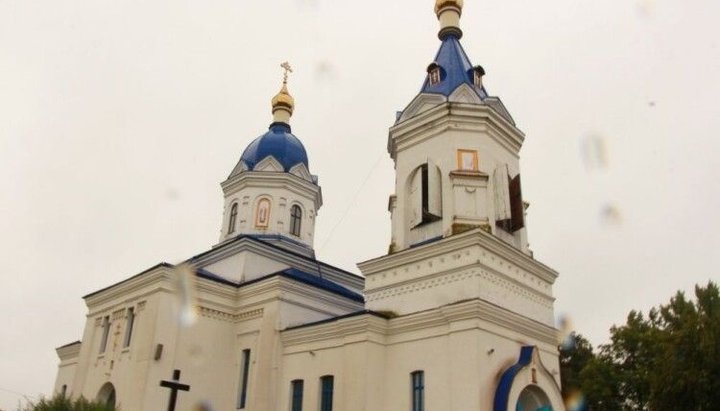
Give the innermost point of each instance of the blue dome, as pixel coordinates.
(279, 143)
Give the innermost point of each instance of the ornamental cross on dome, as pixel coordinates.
(288, 69)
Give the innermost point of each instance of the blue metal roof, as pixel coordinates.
(312, 280)
(455, 69)
(278, 142)
(322, 283)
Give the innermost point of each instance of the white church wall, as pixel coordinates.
(245, 266)
(69, 356)
(462, 354)
(345, 349)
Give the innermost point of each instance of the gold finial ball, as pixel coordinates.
(441, 4)
(283, 100)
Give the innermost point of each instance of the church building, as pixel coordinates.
(457, 316)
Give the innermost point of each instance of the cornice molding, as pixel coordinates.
(69, 352)
(367, 326)
(158, 279)
(269, 179)
(230, 317)
(448, 319)
(456, 116)
(476, 237)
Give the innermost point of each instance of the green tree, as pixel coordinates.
(633, 350)
(62, 403)
(688, 371)
(575, 354)
(599, 381)
(667, 361)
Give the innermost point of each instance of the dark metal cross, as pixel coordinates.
(174, 386)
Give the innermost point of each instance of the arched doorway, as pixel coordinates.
(106, 395)
(532, 398)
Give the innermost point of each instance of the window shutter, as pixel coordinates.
(502, 194)
(516, 204)
(415, 198)
(434, 190)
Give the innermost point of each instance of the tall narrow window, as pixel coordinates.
(425, 195)
(244, 374)
(105, 334)
(233, 218)
(417, 380)
(295, 220)
(326, 392)
(297, 395)
(129, 326)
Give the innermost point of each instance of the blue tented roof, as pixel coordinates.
(455, 69)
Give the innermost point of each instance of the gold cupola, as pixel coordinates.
(448, 13)
(283, 103)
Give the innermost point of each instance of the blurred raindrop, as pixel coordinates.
(575, 401)
(594, 152)
(565, 335)
(203, 405)
(184, 275)
(172, 194)
(610, 215)
(645, 8)
(324, 71)
(195, 352)
(308, 4)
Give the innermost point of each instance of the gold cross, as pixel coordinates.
(288, 69)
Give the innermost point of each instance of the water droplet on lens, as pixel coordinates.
(185, 292)
(565, 332)
(575, 401)
(594, 153)
(610, 215)
(203, 405)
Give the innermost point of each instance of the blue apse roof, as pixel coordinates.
(278, 142)
(502, 393)
(456, 69)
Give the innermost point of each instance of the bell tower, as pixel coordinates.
(456, 152)
(457, 214)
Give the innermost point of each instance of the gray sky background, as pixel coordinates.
(118, 120)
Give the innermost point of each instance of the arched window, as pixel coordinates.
(295, 220)
(533, 398)
(107, 395)
(434, 74)
(233, 218)
(425, 195)
(478, 73)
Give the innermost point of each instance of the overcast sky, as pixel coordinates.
(119, 119)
